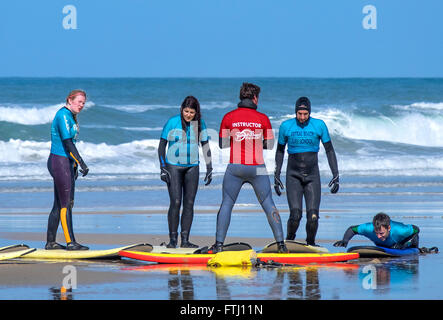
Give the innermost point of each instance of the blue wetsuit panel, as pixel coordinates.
(399, 232)
(182, 147)
(303, 138)
(63, 127)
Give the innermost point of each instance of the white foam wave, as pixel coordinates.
(411, 128)
(33, 115)
(27, 160)
(139, 108)
(421, 106)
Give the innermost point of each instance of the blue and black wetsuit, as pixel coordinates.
(63, 163)
(400, 236)
(180, 167)
(302, 173)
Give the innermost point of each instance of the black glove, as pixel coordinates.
(84, 169)
(208, 177)
(165, 175)
(334, 184)
(340, 243)
(278, 185)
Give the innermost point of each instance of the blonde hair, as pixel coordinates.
(72, 96)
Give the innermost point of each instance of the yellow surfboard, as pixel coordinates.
(85, 254)
(14, 251)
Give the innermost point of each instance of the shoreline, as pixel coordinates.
(157, 211)
(121, 239)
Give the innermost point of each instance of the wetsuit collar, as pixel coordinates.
(247, 103)
(68, 110)
(304, 124)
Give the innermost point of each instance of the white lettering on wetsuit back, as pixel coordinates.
(246, 124)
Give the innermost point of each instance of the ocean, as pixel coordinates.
(387, 133)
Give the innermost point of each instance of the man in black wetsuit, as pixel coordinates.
(303, 135)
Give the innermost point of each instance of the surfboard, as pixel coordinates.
(86, 254)
(380, 252)
(14, 251)
(295, 247)
(235, 246)
(284, 258)
(153, 267)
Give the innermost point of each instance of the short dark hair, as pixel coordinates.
(249, 91)
(381, 220)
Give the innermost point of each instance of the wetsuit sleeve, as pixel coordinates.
(279, 156)
(224, 140)
(63, 127)
(413, 238)
(72, 151)
(268, 135)
(162, 152)
(204, 137)
(165, 131)
(332, 158)
(349, 233)
(207, 154)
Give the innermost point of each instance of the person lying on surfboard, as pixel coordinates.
(384, 232)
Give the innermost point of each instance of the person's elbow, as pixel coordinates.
(268, 144)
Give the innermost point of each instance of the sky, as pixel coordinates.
(221, 38)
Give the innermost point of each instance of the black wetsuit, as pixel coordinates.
(302, 173)
(180, 170)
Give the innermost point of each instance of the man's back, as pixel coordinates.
(247, 128)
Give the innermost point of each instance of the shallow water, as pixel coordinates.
(406, 278)
(415, 200)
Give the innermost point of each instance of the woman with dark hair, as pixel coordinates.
(179, 164)
(63, 164)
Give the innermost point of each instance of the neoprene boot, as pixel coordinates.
(185, 241)
(52, 245)
(73, 246)
(217, 247)
(172, 240)
(282, 247)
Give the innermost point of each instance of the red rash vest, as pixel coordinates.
(247, 128)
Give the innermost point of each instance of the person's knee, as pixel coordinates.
(312, 216)
(175, 203)
(188, 203)
(295, 215)
(275, 215)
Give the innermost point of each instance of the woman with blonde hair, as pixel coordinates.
(63, 164)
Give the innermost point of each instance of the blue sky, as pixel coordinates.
(221, 38)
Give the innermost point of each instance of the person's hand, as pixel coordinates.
(208, 177)
(165, 175)
(84, 169)
(334, 184)
(340, 243)
(278, 185)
